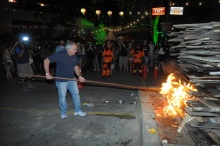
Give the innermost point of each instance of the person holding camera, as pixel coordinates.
(23, 65)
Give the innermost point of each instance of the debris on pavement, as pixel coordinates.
(127, 116)
(120, 101)
(152, 131)
(88, 104)
(164, 141)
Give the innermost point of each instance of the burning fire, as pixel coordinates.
(176, 93)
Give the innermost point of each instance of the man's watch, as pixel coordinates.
(47, 74)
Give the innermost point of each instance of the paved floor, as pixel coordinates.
(33, 118)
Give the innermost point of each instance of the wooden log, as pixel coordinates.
(214, 92)
(190, 25)
(214, 73)
(210, 103)
(208, 59)
(206, 81)
(203, 77)
(195, 62)
(200, 137)
(190, 111)
(200, 52)
(203, 46)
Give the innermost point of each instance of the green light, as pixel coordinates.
(86, 23)
(101, 34)
(156, 21)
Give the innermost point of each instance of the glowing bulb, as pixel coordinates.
(12, 1)
(98, 12)
(121, 13)
(83, 10)
(42, 5)
(109, 13)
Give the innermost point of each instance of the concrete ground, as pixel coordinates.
(33, 118)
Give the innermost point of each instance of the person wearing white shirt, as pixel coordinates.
(161, 54)
(61, 46)
(151, 54)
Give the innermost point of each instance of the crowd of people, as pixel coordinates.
(129, 57)
(68, 60)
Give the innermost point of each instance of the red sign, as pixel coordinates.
(158, 11)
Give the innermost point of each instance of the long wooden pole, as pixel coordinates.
(97, 82)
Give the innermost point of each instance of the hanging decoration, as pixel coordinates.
(155, 27)
(12, 1)
(121, 13)
(42, 4)
(98, 12)
(109, 13)
(83, 11)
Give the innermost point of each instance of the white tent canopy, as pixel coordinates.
(111, 36)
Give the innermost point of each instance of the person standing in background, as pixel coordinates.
(36, 58)
(156, 55)
(146, 51)
(83, 62)
(130, 57)
(162, 57)
(96, 58)
(60, 47)
(151, 53)
(7, 61)
(107, 59)
(123, 57)
(137, 53)
(23, 66)
(43, 54)
(90, 58)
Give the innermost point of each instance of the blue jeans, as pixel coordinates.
(62, 88)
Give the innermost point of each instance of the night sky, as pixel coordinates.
(208, 11)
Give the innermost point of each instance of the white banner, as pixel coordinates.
(176, 11)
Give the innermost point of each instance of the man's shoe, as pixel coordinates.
(63, 116)
(80, 113)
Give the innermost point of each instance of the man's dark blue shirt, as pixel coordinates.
(65, 64)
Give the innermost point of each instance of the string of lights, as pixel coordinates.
(115, 19)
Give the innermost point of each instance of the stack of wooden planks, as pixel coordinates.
(199, 61)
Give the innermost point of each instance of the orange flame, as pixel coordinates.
(176, 93)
